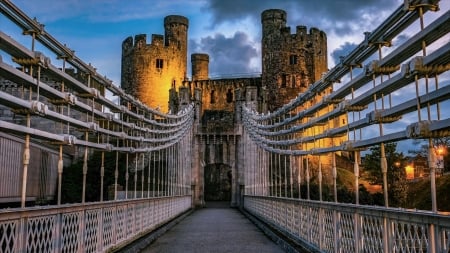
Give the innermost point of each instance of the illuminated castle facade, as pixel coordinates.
(156, 74)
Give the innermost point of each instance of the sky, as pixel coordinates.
(228, 30)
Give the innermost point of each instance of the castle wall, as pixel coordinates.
(219, 94)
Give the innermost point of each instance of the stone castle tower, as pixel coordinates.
(150, 70)
(290, 62)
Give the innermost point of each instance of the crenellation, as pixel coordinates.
(157, 40)
(301, 31)
(140, 41)
(286, 31)
(274, 16)
(174, 20)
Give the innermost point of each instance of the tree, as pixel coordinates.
(396, 175)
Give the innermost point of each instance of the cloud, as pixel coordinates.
(342, 51)
(227, 55)
(341, 17)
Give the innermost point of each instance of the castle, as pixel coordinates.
(156, 74)
(290, 62)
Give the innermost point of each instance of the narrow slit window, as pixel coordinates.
(159, 63)
(229, 96)
(213, 97)
(293, 60)
(284, 81)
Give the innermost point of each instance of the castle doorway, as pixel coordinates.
(217, 178)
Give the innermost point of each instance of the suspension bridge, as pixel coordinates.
(54, 104)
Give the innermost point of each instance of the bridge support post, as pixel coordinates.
(432, 245)
(193, 196)
(241, 194)
(384, 172)
(386, 235)
(336, 231)
(60, 172)
(26, 162)
(356, 231)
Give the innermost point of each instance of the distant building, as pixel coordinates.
(417, 167)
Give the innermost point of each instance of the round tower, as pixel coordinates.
(272, 21)
(200, 66)
(176, 35)
(272, 55)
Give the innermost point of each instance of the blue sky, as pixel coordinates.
(228, 30)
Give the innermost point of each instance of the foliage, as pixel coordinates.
(72, 179)
(420, 192)
(396, 176)
(345, 190)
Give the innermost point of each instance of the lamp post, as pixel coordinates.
(440, 160)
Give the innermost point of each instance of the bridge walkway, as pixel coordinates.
(216, 228)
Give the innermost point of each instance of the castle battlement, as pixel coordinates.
(157, 40)
(273, 14)
(176, 19)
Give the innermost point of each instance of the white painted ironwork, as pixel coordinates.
(96, 227)
(331, 227)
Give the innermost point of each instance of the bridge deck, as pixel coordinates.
(216, 228)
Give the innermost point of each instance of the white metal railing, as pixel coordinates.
(337, 227)
(91, 227)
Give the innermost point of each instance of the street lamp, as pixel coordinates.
(440, 160)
